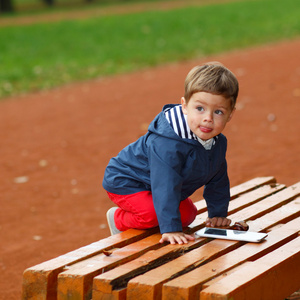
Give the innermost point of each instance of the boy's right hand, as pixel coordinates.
(176, 237)
(217, 222)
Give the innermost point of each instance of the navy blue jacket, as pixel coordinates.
(173, 168)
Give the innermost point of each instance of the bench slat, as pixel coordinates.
(254, 196)
(279, 270)
(76, 282)
(270, 203)
(295, 223)
(243, 188)
(220, 277)
(119, 294)
(109, 279)
(274, 220)
(40, 281)
(189, 285)
(258, 209)
(282, 214)
(149, 285)
(136, 266)
(251, 185)
(118, 277)
(78, 279)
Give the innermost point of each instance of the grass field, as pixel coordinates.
(42, 56)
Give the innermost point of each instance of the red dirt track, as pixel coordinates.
(57, 143)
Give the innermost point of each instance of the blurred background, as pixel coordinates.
(45, 46)
(79, 80)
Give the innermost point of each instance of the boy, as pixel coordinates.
(151, 179)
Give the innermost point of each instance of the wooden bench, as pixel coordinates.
(134, 265)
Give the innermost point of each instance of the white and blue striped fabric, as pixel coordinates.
(178, 121)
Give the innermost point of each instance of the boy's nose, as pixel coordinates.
(208, 117)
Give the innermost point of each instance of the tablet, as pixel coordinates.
(229, 234)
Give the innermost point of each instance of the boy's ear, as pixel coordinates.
(231, 114)
(184, 104)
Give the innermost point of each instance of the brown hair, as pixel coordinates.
(212, 78)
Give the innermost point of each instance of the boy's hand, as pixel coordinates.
(217, 222)
(176, 237)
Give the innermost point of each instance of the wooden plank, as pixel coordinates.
(76, 282)
(107, 282)
(117, 278)
(279, 270)
(240, 189)
(258, 209)
(225, 274)
(283, 214)
(251, 185)
(188, 286)
(149, 285)
(84, 276)
(40, 281)
(270, 203)
(254, 196)
(118, 294)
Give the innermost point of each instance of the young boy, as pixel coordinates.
(151, 179)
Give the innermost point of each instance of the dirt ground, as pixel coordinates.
(56, 144)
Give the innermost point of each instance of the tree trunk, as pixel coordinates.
(6, 6)
(49, 2)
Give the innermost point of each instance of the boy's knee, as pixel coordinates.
(147, 220)
(188, 212)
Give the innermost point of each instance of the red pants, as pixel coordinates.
(137, 211)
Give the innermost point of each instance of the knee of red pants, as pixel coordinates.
(188, 212)
(136, 211)
(125, 220)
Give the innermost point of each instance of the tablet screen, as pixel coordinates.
(230, 234)
(216, 231)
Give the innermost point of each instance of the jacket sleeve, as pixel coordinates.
(217, 193)
(166, 184)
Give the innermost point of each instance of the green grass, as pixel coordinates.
(43, 56)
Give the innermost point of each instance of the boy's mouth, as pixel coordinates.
(205, 129)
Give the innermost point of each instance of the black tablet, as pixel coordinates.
(229, 234)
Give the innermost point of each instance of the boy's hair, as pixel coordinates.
(212, 78)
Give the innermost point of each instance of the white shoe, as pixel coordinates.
(111, 221)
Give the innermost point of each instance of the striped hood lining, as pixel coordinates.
(178, 121)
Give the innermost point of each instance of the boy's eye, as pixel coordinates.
(200, 108)
(219, 112)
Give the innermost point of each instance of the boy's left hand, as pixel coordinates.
(217, 222)
(176, 237)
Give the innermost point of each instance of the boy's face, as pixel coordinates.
(207, 114)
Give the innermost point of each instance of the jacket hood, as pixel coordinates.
(162, 127)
